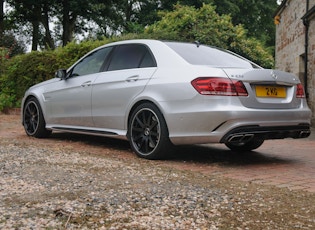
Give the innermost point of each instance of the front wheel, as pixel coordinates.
(148, 132)
(33, 120)
(245, 146)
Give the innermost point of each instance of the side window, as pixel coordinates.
(92, 63)
(131, 56)
(147, 60)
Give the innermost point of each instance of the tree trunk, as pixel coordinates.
(1, 18)
(49, 41)
(35, 35)
(68, 23)
(35, 23)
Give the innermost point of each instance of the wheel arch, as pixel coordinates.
(135, 105)
(27, 98)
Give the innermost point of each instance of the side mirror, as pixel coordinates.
(61, 73)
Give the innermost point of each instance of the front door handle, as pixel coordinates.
(133, 78)
(87, 83)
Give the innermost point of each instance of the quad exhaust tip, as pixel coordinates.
(304, 134)
(244, 138)
(240, 138)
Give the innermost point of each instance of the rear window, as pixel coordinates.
(211, 56)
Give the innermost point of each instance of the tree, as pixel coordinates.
(136, 15)
(40, 13)
(259, 22)
(187, 23)
(75, 15)
(12, 45)
(255, 15)
(45, 20)
(9, 45)
(35, 13)
(103, 18)
(108, 17)
(69, 17)
(1, 18)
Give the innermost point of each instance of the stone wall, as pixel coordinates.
(290, 37)
(290, 45)
(311, 68)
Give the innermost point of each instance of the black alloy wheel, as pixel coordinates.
(148, 133)
(33, 120)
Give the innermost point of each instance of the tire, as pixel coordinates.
(148, 133)
(247, 146)
(33, 120)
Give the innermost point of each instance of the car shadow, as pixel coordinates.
(201, 154)
(93, 141)
(208, 154)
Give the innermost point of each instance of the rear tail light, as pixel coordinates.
(300, 91)
(219, 86)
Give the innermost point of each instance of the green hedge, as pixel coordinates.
(22, 71)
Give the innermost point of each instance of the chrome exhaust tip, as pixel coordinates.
(240, 138)
(304, 134)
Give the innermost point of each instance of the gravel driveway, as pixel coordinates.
(64, 183)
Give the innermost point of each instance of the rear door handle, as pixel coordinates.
(87, 83)
(133, 78)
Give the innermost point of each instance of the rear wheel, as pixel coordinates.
(245, 146)
(148, 133)
(33, 120)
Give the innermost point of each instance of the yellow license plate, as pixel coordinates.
(270, 91)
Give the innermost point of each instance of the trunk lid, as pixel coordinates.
(267, 89)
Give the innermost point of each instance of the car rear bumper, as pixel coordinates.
(227, 126)
(244, 134)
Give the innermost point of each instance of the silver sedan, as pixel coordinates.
(158, 94)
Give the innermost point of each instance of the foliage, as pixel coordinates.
(10, 46)
(67, 55)
(23, 71)
(7, 94)
(187, 23)
(252, 49)
(4, 53)
(109, 18)
(256, 16)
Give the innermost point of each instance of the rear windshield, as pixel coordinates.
(211, 56)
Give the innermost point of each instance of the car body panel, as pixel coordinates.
(115, 90)
(101, 103)
(69, 101)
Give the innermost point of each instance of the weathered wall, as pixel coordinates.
(311, 68)
(290, 45)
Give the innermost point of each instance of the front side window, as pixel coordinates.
(92, 63)
(131, 56)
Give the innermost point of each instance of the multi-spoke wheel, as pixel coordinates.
(33, 119)
(246, 146)
(148, 133)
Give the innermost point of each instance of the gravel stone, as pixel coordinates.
(49, 188)
(58, 187)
